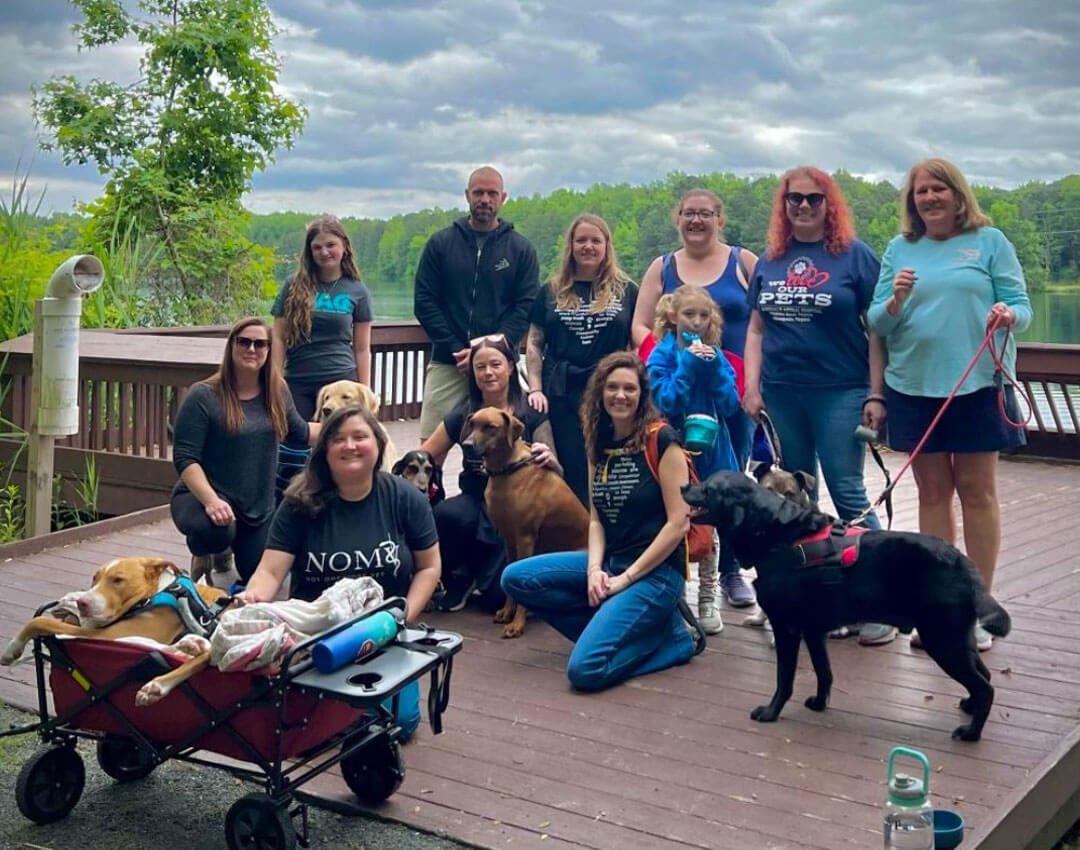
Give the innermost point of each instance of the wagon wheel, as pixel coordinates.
(374, 772)
(123, 759)
(255, 822)
(50, 784)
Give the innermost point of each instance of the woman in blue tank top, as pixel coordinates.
(723, 270)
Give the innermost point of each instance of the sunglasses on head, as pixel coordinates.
(251, 343)
(476, 340)
(814, 199)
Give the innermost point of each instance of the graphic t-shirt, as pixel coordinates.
(577, 338)
(473, 480)
(374, 537)
(811, 304)
(630, 503)
(328, 354)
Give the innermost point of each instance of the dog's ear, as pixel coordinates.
(466, 429)
(320, 400)
(154, 567)
(761, 469)
(517, 429)
(805, 480)
(371, 401)
(399, 465)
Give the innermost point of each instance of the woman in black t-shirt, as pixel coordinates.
(619, 601)
(473, 552)
(582, 315)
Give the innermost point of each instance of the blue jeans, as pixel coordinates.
(741, 428)
(818, 423)
(635, 632)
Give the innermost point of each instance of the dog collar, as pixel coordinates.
(508, 470)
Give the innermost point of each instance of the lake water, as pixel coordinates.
(1057, 314)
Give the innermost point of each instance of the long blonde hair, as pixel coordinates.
(300, 302)
(668, 307)
(610, 282)
(969, 216)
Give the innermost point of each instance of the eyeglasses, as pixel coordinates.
(704, 215)
(251, 344)
(814, 199)
(476, 340)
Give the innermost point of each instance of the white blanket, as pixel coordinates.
(259, 635)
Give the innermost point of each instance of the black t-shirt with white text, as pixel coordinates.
(630, 503)
(374, 537)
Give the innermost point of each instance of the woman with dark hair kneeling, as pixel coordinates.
(343, 518)
(225, 447)
(619, 601)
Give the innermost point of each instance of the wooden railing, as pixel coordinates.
(132, 382)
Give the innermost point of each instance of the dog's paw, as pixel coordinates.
(13, 653)
(965, 705)
(816, 703)
(504, 615)
(513, 630)
(764, 714)
(967, 732)
(150, 693)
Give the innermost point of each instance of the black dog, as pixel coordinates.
(905, 579)
(420, 468)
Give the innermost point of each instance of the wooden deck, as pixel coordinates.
(673, 760)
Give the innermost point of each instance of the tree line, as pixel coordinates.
(1041, 219)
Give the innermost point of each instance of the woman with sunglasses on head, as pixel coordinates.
(225, 447)
(472, 550)
(945, 280)
(810, 362)
(582, 315)
(705, 261)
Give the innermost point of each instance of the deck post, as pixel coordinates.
(39, 461)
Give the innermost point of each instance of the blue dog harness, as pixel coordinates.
(198, 618)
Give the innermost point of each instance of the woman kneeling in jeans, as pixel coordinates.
(619, 601)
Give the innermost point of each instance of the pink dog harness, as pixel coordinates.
(835, 545)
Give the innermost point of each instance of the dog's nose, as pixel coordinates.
(326, 411)
(83, 604)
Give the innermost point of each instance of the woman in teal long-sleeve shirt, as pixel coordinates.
(943, 281)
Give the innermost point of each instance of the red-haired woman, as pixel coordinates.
(225, 446)
(809, 360)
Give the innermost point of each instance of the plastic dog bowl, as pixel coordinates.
(948, 829)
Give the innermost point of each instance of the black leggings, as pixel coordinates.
(469, 545)
(204, 538)
(565, 419)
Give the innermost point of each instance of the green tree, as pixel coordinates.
(179, 146)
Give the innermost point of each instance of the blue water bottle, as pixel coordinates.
(355, 643)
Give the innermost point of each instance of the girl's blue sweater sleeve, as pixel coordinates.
(670, 378)
(725, 394)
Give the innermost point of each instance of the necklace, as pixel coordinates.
(333, 286)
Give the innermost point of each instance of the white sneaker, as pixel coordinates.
(709, 617)
(983, 639)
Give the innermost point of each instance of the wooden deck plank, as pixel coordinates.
(672, 760)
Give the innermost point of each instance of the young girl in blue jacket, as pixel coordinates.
(689, 375)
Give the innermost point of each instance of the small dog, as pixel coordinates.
(905, 579)
(118, 588)
(341, 394)
(420, 468)
(532, 507)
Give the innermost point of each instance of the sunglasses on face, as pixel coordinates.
(814, 199)
(250, 344)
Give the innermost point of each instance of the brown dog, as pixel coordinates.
(118, 587)
(341, 394)
(532, 507)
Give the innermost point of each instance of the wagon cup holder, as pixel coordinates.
(367, 681)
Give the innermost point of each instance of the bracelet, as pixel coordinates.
(880, 399)
(531, 392)
(629, 577)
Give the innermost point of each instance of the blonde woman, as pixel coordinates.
(580, 316)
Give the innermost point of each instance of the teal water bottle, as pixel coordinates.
(909, 816)
(358, 641)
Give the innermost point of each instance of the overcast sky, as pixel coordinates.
(406, 97)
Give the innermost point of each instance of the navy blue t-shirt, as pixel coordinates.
(812, 304)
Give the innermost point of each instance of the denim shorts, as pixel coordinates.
(972, 423)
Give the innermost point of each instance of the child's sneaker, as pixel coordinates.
(736, 591)
(709, 617)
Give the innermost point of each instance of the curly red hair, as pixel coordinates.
(839, 226)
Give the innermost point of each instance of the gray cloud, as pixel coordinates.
(406, 97)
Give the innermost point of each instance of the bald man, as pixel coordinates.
(476, 277)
